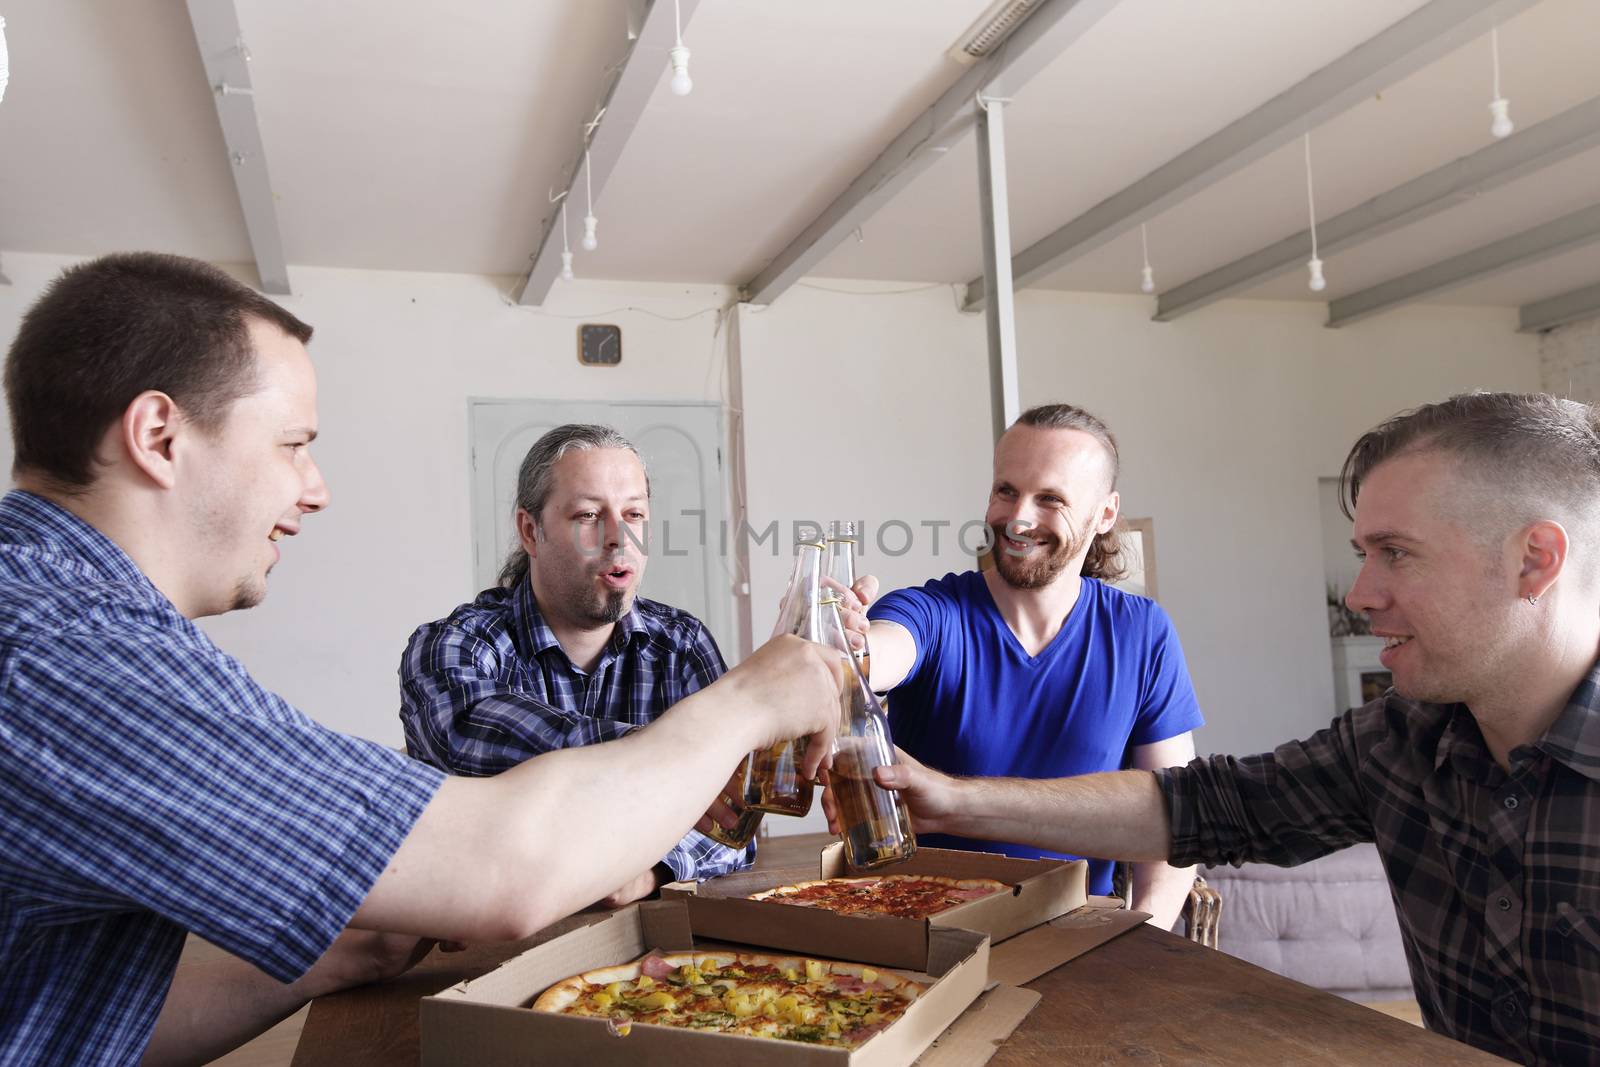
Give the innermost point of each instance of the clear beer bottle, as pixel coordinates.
(873, 821)
(776, 783)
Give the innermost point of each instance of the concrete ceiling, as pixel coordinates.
(404, 135)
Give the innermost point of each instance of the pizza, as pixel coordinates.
(788, 997)
(905, 896)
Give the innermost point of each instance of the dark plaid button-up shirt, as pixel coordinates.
(1495, 873)
(489, 687)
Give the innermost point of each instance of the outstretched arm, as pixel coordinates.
(1116, 815)
(499, 858)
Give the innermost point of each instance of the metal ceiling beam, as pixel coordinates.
(1559, 310)
(227, 65)
(1541, 242)
(1040, 38)
(621, 110)
(1433, 30)
(1523, 153)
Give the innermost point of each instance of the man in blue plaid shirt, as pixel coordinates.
(162, 416)
(562, 652)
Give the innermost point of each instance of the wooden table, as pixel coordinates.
(1145, 998)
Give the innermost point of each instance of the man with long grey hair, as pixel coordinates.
(562, 652)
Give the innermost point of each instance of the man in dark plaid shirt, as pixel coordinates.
(562, 653)
(1477, 776)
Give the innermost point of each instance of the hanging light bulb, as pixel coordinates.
(678, 56)
(1147, 279)
(1318, 282)
(589, 241)
(1499, 108)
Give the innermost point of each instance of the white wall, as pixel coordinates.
(1226, 419)
(397, 356)
(857, 405)
(1569, 361)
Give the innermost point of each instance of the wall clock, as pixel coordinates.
(599, 345)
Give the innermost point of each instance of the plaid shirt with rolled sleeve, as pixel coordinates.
(1495, 873)
(490, 686)
(152, 788)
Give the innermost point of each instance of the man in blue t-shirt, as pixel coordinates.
(1034, 667)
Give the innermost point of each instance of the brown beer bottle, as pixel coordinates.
(776, 784)
(873, 821)
(738, 798)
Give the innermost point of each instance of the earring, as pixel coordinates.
(1532, 600)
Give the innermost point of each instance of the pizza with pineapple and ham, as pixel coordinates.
(788, 997)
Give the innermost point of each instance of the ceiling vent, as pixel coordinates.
(992, 27)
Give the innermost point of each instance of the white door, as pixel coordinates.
(682, 448)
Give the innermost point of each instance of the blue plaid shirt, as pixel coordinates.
(488, 687)
(152, 788)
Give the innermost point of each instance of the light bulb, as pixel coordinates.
(681, 83)
(1502, 124)
(566, 266)
(590, 242)
(1318, 282)
(1147, 283)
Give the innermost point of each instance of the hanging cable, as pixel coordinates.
(1318, 283)
(1500, 124)
(566, 251)
(1147, 280)
(589, 242)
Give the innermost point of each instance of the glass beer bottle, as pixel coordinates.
(738, 798)
(873, 821)
(842, 541)
(775, 781)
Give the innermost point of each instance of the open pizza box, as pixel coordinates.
(1040, 890)
(486, 1021)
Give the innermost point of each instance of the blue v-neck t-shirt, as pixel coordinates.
(975, 702)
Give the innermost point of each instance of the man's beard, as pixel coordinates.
(1039, 567)
(612, 606)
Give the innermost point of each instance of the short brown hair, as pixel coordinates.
(1106, 559)
(1535, 451)
(112, 328)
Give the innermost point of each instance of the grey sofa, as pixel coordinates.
(1329, 923)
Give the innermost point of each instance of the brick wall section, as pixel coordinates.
(1569, 361)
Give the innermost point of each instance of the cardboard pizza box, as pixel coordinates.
(1040, 890)
(486, 1021)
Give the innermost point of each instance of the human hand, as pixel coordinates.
(636, 888)
(721, 812)
(853, 606)
(794, 686)
(931, 797)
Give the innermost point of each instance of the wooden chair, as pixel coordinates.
(1202, 914)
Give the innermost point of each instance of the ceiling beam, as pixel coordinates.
(1524, 152)
(1529, 246)
(1040, 38)
(1433, 30)
(227, 64)
(624, 105)
(1559, 310)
